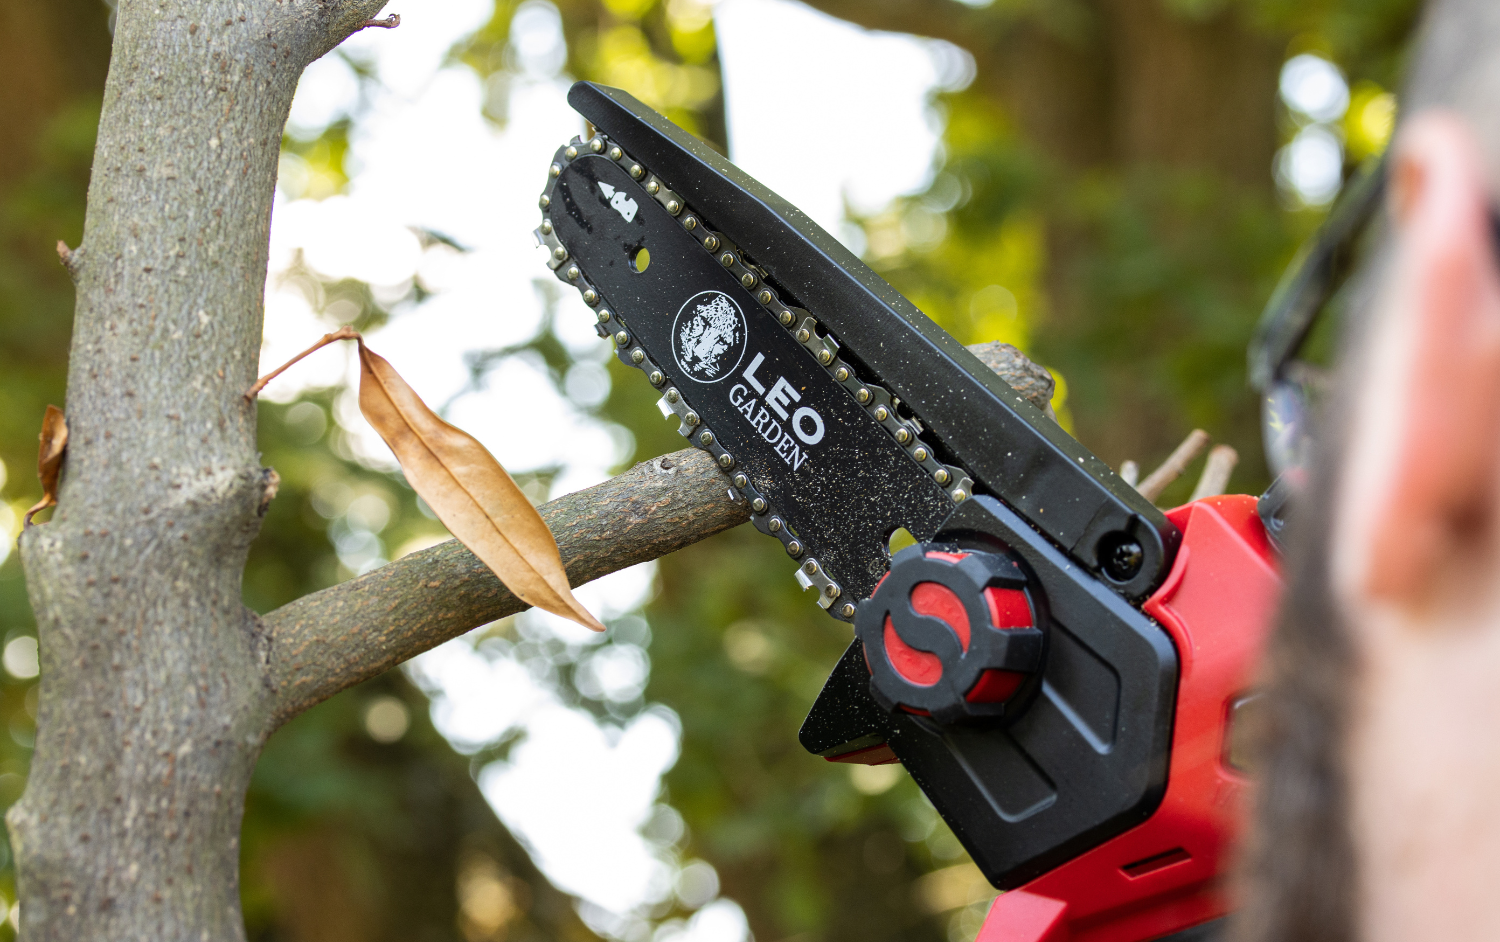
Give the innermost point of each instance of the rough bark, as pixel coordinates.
(152, 704)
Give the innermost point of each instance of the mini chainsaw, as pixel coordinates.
(1061, 666)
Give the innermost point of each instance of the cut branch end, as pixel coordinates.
(1176, 463)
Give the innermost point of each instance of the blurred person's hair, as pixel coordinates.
(1298, 881)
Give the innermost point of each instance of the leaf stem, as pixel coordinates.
(343, 333)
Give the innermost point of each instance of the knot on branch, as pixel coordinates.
(390, 22)
(271, 483)
(72, 259)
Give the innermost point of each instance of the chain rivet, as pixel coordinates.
(690, 222)
(571, 152)
(706, 438)
(727, 260)
(794, 549)
(636, 171)
(758, 505)
(803, 336)
(673, 395)
(604, 315)
(638, 357)
(653, 188)
(741, 481)
(810, 567)
(786, 318)
(691, 418)
(825, 357)
(959, 496)
(903, 435)
(841, 374)
(615, 153)
(847, 610)
(920, 454)
(596, 145)
(832, 591)
(726, 461)
(765, 297)
(573, 273)
(862, 394)
(559, 253)
(590, 297)
(775, 525)
(546, 227)
(555, 170)
(881, 413)
(545, 201)
(623, 338)
(711, 243)
(656, 378)
(748, 279)
(940, 475)
(674, 207)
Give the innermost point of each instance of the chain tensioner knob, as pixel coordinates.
(951, 634)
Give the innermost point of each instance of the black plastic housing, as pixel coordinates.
(1084, 761)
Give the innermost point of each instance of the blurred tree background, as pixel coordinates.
(1116, 193)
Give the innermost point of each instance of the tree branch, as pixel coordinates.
(353, 631)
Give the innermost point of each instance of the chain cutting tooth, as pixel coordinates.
(824, 349)
(810, 575)
(672, 404)
(547, 239)
(961, 486)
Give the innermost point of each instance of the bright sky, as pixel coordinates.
(583, 796)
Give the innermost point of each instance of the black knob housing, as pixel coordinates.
(931, 638)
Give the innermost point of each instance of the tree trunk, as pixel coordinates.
(152, 706)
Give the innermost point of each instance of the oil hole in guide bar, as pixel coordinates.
(642, 260)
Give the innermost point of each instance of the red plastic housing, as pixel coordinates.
(1167, 874)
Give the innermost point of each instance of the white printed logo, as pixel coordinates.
(621, 203)
(782, 396)
(708, 336)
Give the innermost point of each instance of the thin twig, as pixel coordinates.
(390, 22)
(1216, 472)
(1130, 472)
(343, 333)
(1176, 463)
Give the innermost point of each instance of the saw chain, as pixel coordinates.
(1024, 660)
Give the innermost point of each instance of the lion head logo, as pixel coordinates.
(708, 336)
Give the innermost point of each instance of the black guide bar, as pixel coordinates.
(1011, 449)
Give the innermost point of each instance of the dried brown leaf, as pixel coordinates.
(462, 482)
(469, 491)
(54, 441)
